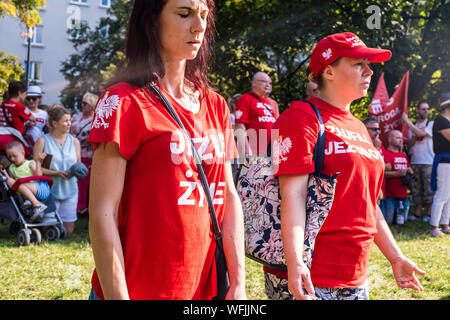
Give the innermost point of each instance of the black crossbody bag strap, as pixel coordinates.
(319, 149)
(197, 159)
(264, 104)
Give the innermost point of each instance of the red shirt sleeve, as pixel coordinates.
(243, 109)
(119, 118)
(293, 149)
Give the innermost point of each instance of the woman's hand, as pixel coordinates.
(299, 277)
(236, 293)
(404, 273)
(62, 174)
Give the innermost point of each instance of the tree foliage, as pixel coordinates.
(27, 12)
(278, 36)
(10, 70)
(98, 52)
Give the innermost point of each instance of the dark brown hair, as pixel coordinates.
(143, 61)
(14, 88)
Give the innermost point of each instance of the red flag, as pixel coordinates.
(390, 118)
(380, 98)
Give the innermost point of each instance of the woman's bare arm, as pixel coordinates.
(106, 186)
(233, 239)
(293, 190)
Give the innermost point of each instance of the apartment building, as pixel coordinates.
(50, 43)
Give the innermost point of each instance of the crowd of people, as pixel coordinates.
(410, 167)
(34, 133)
(149, 222)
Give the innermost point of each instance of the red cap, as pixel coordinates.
(343, 45)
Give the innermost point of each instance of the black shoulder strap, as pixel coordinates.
(319, 149)
(197, 159)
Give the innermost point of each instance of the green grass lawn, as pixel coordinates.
(62, 269)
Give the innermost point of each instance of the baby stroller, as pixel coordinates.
(14, 210)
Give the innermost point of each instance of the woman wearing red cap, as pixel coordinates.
(340, 66)
(149, 221)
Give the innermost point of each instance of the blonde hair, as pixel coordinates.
(91, 99)
(55, 112)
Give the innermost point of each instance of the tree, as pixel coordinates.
(278, 36)
(10, 70)
(27, 12)
(99, 52)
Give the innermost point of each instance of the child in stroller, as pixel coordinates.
(13, 208)
(33, 191)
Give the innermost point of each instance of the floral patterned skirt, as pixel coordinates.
(276, 288)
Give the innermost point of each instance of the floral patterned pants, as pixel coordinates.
(277, 289)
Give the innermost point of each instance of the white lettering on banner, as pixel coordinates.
(376, 106)
(388, 115)
(391, 126)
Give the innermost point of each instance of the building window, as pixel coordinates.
(37, 36)
(35, 71)
(105, 3)
(79, 1)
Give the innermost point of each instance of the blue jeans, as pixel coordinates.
(392, 205)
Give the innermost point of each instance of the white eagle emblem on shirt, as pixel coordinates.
(104, 110)
(281, 148)
(327, 54)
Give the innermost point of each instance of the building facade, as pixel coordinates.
(50, 43)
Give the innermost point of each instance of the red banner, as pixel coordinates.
(389, 111)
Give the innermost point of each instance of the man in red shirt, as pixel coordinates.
(397, 166)
(255, 116)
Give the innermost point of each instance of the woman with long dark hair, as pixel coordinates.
(149, 222)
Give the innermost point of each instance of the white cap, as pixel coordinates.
(34, 91)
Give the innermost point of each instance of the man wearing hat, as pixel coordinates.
(35, 128)
(440, 210)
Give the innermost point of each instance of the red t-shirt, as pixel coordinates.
(343, 244)
(164, 223)
(258, 115)
(394, 186)
(17, 114)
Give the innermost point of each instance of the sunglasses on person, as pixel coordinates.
(32, 98)
(375, 129)
(84, 103)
